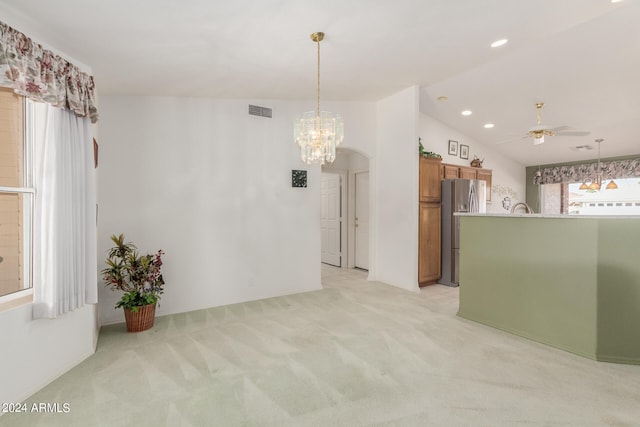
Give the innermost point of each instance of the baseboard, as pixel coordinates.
(480, 319)
(618, 359)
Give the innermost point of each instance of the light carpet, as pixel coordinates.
(353, 354)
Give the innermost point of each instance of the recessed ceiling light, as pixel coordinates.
(466, 113)
(488, 125)
(616, 1)
(443, 98)
(499, 43)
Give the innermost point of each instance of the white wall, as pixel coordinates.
(211, 186)
(35, 352)
(395, 204)
(508, 176)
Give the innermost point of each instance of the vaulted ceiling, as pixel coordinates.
(580, 57)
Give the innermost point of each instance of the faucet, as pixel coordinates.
(526, 206)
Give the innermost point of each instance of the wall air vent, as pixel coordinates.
(255, 110)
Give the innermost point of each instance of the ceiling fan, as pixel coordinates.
(539, 131)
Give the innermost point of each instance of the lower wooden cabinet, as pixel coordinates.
(429, 244)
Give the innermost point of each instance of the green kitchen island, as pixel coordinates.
(571, 282)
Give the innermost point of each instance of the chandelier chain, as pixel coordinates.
(318, 43)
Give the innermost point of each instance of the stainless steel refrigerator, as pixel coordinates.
(458, 195)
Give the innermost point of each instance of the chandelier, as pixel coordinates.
(596, 184)
(317, 133)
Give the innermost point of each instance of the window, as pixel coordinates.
(569, 199)
(16, 195)
(622, 201)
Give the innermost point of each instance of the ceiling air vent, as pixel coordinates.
(582, 148)
(255, 110)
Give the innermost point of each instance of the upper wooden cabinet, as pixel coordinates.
(450, 171)
(467, 172)
(430, 179)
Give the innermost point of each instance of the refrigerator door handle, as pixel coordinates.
(473, 197)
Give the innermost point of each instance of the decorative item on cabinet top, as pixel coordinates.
(427, 154)
(476, 162)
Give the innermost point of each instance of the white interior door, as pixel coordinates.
(330, 219)
(362, 220)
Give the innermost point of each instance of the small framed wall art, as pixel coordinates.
(298, 178)
(453, 147)
(464, 151)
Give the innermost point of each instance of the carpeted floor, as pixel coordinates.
(355, 353)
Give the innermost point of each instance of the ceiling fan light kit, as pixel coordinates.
(539, 131)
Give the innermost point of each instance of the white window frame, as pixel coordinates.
(29, 204)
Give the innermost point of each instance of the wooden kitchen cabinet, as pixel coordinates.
(467, 172)
(429, 232)
(430, 243)
(430, 187)
(450, 171)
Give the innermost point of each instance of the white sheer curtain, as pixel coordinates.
(65, 266)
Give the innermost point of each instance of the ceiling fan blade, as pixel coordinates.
(559, 128)
(507, 141)
(572, 133)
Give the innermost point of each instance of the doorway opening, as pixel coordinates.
(345, 211)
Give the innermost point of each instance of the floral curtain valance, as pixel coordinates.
(43, 76)
(587, 172)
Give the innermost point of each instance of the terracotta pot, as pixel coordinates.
(140, 320)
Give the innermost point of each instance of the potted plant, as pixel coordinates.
(139, 277)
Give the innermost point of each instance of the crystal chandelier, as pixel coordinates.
(317, 133)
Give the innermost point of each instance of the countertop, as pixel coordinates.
(525, 215)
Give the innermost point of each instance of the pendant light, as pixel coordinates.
(317, 133)
(612, 184)
(597, 183)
